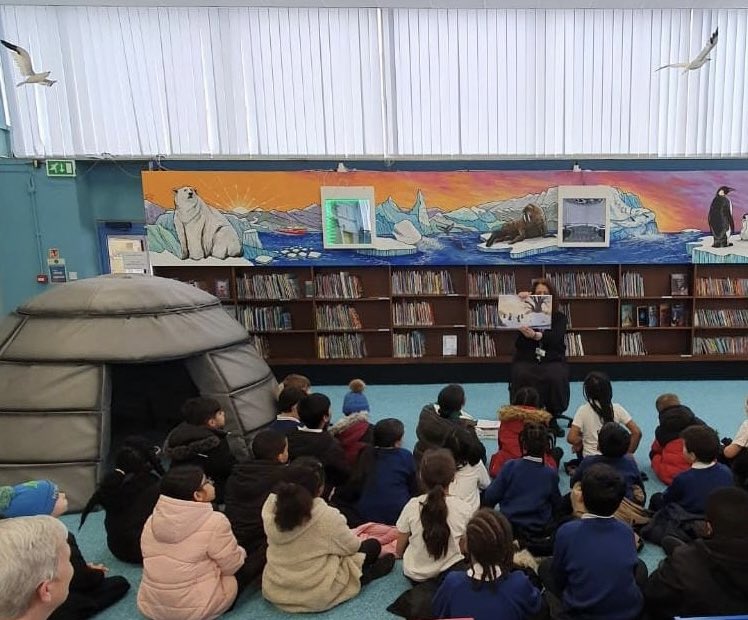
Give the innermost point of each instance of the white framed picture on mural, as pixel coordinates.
(584, 216)
(348, 217)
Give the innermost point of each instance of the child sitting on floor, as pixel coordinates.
(524, 408)
(354, 431)
(190, 555)
(527, 489)
(202, 441)
(296, 381)
(737, 446)
(691, 488)
(128, 495)
(666, 453)
(355, 400)
(472, 476)
(288, 410)
(490, 589)
(594, 571)
(248, 487)
(91, 591)
(431, 525)
(314, 562)
(385, 475)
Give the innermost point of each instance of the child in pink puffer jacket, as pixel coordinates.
(190, 555)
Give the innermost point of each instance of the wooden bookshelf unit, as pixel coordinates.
(394, 315)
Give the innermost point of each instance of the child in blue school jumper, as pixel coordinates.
(490, 589)
(594, 573)
(691, 488)
(385, 475)
(613, 442)
(526, 489)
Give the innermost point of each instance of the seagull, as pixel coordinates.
(23, 60)
(697, 62)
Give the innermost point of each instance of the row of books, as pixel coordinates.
(654, 315)
(337, 316)
(341, 285)
(422, 283)
(573, 342)
(267, 286)
(481, 344)
(725, 317)
(485, 315)
(410, 344)
(565, 309)
(722, 287)
(584, 284)
(341, 346)
(491, 284)
(632, 344)
(265, 318)
(632, 284)
(729, 345)
(261, 344)
(412, 313)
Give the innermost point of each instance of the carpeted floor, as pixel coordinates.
(718, 402)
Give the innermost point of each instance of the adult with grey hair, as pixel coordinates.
(35, 569)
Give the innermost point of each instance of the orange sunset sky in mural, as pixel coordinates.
(679, 199)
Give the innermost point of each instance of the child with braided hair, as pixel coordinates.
(526, 489)
(490, 589)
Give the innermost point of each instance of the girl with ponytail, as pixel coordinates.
(314, 561)
(431, 525)
(128, 494)
(490, 589)
(599, 409)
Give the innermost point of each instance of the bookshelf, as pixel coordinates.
(396, 315)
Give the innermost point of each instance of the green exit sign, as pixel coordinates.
(60, 167)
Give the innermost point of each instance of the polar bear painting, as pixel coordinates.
(202, 230)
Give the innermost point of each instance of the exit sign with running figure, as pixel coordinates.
(60, 167)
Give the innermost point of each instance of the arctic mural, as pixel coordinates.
(440, 218)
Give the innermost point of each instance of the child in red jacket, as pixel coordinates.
(666, 453)
(524, 409)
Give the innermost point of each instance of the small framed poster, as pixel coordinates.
(348, 217)
(584, 216)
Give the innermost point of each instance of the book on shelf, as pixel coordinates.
(678, 284)
(584, 284)
(653, 316)
(632, 284)
(632, 343)
(642, 316)
(449, 345)
(261, 345)
(722, 287)
(665, 315)
(627, 315)
(337, 316)
(724, 317)
(265, 318)
(341, 346)
(410, 344)
(574, 346)
(678, 315)
(481, 344)
(341, 285)
(491, 283)
(281, 286)
(407, 313)
(565, 309)
(415, 282)
(222, 289)
(725, 345)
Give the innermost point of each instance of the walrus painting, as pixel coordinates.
(531, 224)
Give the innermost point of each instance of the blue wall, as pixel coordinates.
(69, 209)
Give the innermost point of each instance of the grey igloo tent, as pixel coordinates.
(116, 352)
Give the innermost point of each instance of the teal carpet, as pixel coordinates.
(720, 403)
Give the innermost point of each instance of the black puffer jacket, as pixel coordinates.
(673, 421)
(208, 448)
(247, 489)
(434, 431)
(704, 578)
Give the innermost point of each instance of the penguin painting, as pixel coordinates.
(720, 218)
(744, 229)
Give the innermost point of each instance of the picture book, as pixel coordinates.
(627, 315)
(529, 311)
(642, 316)
(664, 315)
(222, 290)
(678, 315)
(679, 284)
(653, 316)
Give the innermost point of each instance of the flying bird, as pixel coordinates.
(23, 61)
(697, 62)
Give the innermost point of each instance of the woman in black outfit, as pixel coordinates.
(540, 358)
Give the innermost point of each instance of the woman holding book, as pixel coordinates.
(540, 358)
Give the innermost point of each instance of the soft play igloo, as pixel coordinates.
(116, 352)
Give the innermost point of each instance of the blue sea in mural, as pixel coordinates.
(462, 249)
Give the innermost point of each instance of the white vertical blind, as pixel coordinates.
(196, 81)
(277, 82)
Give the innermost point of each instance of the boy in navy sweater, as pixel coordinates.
(287, 419)
(526, 489)
(613, 442)
(691, 488)
(594, 570)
